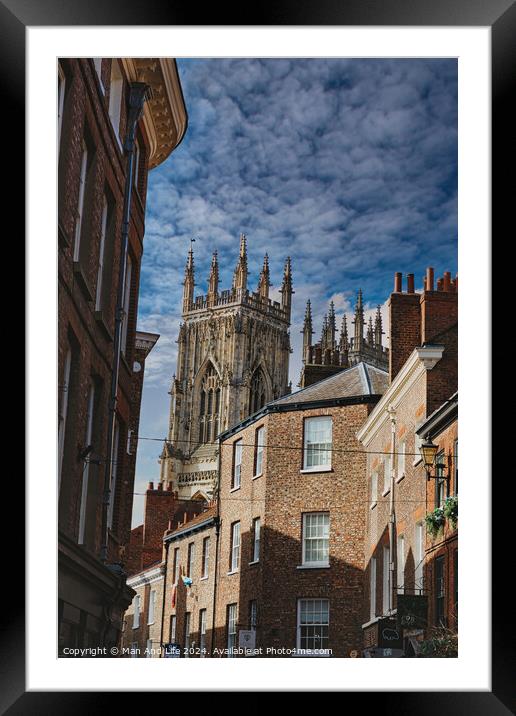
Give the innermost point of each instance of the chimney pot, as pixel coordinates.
(410, 283)
(439, 284)
(160, 486)
(447, 281)
(150, 486)
(429, 279)
(397, 282)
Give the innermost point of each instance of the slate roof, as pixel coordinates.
(360, 379)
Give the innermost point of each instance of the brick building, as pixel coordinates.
(422, 374)
(442, 550)
(93, 120)
(141, 635)
(190, 554)
(291, 542)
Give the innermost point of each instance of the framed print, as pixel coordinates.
(221, 482)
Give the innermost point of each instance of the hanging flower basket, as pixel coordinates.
(451, 510)
(435, 521)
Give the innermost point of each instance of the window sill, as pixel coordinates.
(234, 571)
(255, 561)
(313, 566)
(234, 489)
(99, 317)
(400, 478)
(203, 579)
(255, 477)
(386, 492)
(373, 505)
(417, 461)
(316, 469)
(82, 280)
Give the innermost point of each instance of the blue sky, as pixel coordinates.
(348, 166)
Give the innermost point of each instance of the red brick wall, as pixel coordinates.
(280, 497)
(86, 110)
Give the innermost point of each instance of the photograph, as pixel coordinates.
(257, 439)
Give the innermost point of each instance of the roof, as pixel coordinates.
(197, 521)
(360, 379)
(361, 383)
(440, 418)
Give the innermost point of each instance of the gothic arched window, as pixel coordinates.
(258, 395)
(209, 408)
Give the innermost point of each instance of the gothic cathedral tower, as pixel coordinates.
(233, 357)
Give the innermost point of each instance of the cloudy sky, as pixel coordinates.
(348, 166)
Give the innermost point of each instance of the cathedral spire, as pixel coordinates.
(213, 282)
(240, 274)
(264, 281)
(359, 323)
(189, 282)
(370, 334)
(286, 288)
(332, 327)
(307, 333)
(378, 328)
(344, 341)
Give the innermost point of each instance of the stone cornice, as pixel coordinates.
(165, 118)
(147, 577)
(419, 361)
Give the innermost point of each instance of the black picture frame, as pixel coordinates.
(500, 16)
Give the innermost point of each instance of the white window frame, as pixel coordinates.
(97, 61)
(86, 469)
(237, 465)
(235, 547)
(152, 606)
(311, 652)
(137, 609)
(61, 85)
(419, 558)
(374, 489)
(400, 564)
(127, 299)
(324, 454)
(190, 557)
(260, 448)
(385, 581)
(102, 251)
(387, 468)
(63, 409)
(116, 85)
(80, 202)
(307, 517)
(257, 526)
(253, 614)
(188, 624)
(232, 628)
(202, 632)
(401, 461)
(372, 588)
(175, 576)
(114, 473)
(205, 557)
(173, 627)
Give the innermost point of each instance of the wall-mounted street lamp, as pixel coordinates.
(428, 452)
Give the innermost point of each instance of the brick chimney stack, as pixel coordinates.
(421, 318)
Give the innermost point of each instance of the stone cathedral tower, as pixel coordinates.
(233, 357)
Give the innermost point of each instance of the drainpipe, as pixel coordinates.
(167, 545)
(392, 514)
(138, 93)
(217, 534)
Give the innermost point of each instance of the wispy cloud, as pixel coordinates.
(349, 166)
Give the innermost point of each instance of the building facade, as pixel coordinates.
(291, 543)
(233, 357)
(141, 635)
(331, 355)
(422, 374)
(93, 121)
